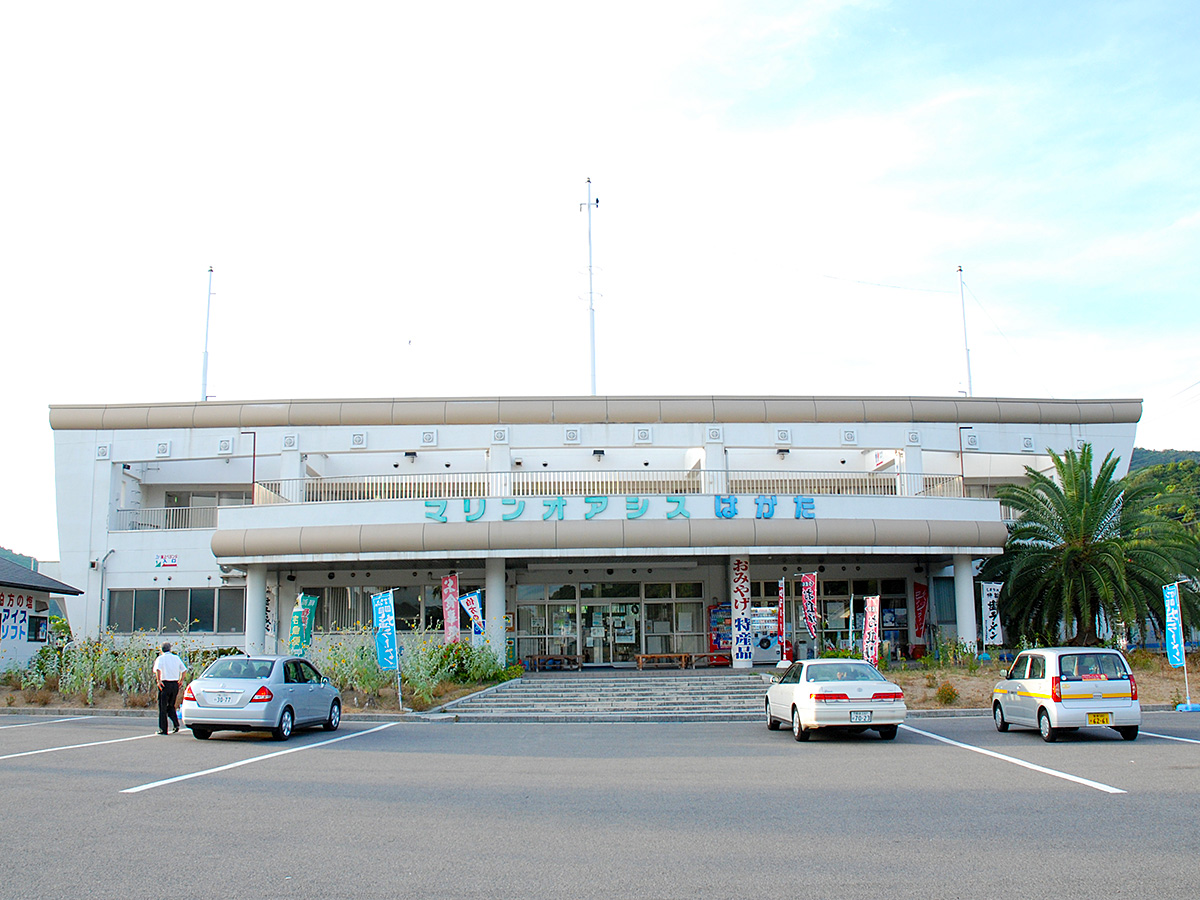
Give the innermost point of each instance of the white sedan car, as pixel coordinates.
(849, 694)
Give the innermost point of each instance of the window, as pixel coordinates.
(231, 610)
(200, 609)
(1037, 667)
(145, 610)
(120, 611)
(177, 610)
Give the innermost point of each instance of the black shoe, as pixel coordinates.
(175, 730)
(162, 732)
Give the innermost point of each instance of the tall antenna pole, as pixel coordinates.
(591, 295)
(204, 369)
(962, 300)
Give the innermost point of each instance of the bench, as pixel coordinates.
(552, 661)
(679, 660)
(711, 659)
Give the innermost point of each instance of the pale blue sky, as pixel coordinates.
(389, 194)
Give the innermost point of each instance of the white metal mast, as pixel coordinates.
(204, 369)
(591, 296)
(962, 300)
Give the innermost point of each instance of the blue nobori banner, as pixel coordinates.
(384, 614)
(1174, 623)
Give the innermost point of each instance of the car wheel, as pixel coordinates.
(799, 732)
(335, 717)
(201, 734)
(1128, 732)
(1049, 735)
(888, 732)
(772, 722)
(998, 715)
(287, 721)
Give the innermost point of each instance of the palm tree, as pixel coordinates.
(1083, 547)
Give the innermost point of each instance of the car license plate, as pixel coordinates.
(222, 699)
(857, 717)
(1099, 718)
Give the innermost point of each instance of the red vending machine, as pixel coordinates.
(720, 632)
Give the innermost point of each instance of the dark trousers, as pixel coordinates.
(166, 704)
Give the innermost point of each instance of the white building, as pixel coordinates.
(603, 527)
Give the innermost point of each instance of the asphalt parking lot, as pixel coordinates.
(103, 807)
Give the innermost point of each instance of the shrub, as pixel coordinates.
(947, 694)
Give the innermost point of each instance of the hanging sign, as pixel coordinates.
(871, 631)
(383, 612)
(920, 610)
(473, 604)
(302, 624)
(808, 597)
(450, 608)
(991, 614)
(784, 645)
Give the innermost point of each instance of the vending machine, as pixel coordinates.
(720, 632)
(764, 631)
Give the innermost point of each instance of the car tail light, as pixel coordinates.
(1055, 689)
(888, 695)
(188, 695)
(1132, 687)
(829, 698)
(262, 695)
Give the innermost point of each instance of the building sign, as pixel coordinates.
(991, 614)
(559, 509)
(871, 631)
(166, 560)
(450, 608)
(739, 593)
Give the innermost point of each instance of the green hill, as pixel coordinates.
(1143, 459)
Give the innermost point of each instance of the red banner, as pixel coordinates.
(785, 646)
(921, 609)
(450, 608)
(808, 598)
(871, 631)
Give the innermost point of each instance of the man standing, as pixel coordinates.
(168, 669)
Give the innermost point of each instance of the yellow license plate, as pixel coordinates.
(1099, 718)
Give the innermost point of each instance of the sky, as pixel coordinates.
(391, 196)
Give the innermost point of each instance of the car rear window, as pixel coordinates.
(1093, 667)
(239, 668)
(844, 671)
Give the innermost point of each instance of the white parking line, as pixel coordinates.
(77, 746)
(1168, 737)
(45, 722)
(1108, 789)
(253, 759)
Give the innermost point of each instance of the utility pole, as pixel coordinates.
(962, 300)
(204, 368)
(591, 296)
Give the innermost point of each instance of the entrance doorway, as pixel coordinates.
(611, 633)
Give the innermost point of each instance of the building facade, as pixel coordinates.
(597, 527)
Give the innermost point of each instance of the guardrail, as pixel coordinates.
(164, 518)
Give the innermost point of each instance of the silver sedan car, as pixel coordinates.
(260, 693)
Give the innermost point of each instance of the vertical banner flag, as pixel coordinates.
(808, 598)
(920, 610)
(871, 631)
(450, 608)
(782, 628)
(739, 596)
(1174, 623)
(991, 614)
(302, 624)
(473, 604)
(384, 616)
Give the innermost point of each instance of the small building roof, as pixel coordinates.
(13, 575)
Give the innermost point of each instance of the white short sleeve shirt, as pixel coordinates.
(169, 666)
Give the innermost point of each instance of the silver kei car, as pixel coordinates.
(260, 693)
(1063, 689)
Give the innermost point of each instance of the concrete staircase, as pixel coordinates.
(630, 696)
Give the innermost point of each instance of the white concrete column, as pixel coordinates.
(964, 600)
(256, 608)
(495, 605)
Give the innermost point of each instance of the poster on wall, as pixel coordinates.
(450, 608)
(991, 614)
(739, 594)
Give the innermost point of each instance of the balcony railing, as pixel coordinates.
(635, 482)
(162, 518)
